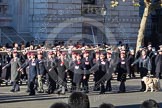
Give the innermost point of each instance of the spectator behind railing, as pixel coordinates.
(150, 104)
(60, 105)
(79, 100)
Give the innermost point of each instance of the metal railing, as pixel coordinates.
(4, 35)
(19, 36)
(10, 32)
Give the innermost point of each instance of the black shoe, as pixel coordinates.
(121, 91)
(96, 89)
(109, 89)
(129, 76)
(12, 90)
(102, 92)
(134, 76)
(142, 89)
(48, 91)
(86, 91)
(27, 91)
(31, 94)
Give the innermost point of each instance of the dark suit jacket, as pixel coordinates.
(158, 62)
(122, 70)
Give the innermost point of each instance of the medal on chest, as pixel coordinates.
(33, 63)
(87, 63)
(103, 62)
(76, 67)
(62, 63)
(122, 62)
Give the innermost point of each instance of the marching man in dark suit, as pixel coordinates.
(15, 74)
(1, 63)
(41, 73)
(33, 72)
(26, 68)
(71, 70)
(122, 70)
(96, 74)
(108, 84)
(87, 65)
(78, 72)
(50, 67)
(158, 62)
(130, 59)
(62, 66)
(102, 67)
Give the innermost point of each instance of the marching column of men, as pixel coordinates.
(56, 66)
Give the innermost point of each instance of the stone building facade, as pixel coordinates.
(89, 21)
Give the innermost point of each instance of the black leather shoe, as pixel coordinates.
(121, 91)
(102, 92)
(27, 91)
(142, 90)
(31, 94)
(86, 91)
(12, 90)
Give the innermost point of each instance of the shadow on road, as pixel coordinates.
(131, 106)
(21, 98)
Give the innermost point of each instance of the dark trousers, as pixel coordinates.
(143, 73)
(85, 83)
(78, 87)
(0, 72)
(96, 80)
(158, 75)
(0, 76)
(28, 84)
(96, 86)
(24, 75)
(8, 73)
(51, 84)
(108, 85)
(31, 86)
(15, 85)
(131, 73)
(143, 86)
(73, 86)
(102, 87)
(122, 86)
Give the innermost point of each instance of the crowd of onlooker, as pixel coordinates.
(81, 100)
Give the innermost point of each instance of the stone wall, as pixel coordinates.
(63, 20)
(122, 23)
(54, 19)
(18, 9)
